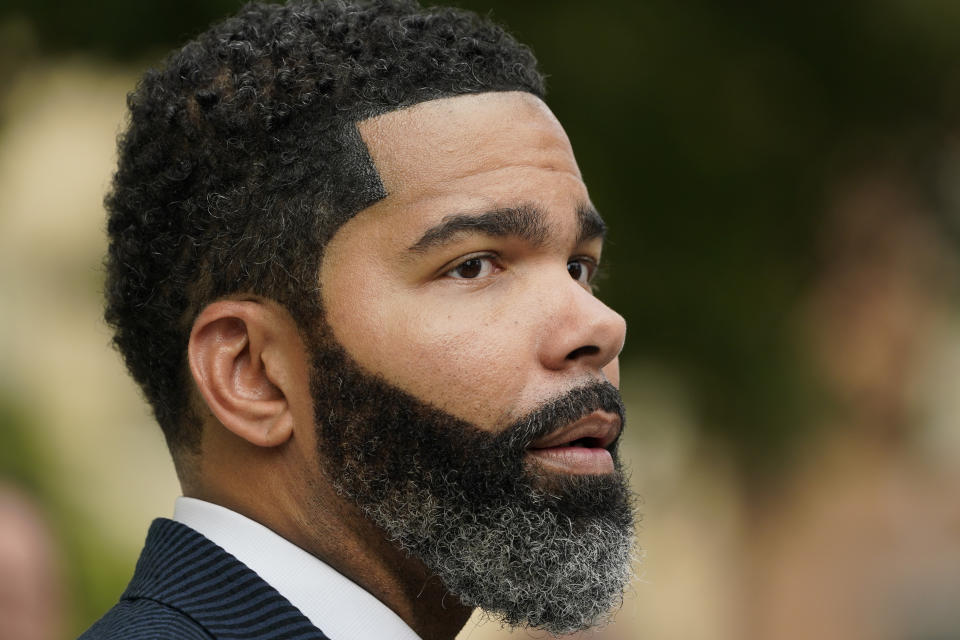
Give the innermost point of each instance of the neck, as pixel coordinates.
(315, 518)
(359, 550)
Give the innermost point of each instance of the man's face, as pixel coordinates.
(464, 374)
(484, 322)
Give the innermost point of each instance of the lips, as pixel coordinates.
(597, 430)
(581, 447)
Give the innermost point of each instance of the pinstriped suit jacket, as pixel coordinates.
(187, 588)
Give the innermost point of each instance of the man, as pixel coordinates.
(350, 265)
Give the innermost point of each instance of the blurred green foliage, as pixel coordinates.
(23, 459)
(93, 579)
(709, 134)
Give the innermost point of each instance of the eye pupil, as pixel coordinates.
(575, 269)
(471, 268)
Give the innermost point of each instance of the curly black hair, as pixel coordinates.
(242, 158)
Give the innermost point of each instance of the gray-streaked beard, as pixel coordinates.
(529, 547)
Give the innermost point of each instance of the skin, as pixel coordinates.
(486, 327)
(527, 315)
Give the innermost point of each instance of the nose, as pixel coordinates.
(580, 331)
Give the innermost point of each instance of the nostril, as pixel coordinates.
(582, 352)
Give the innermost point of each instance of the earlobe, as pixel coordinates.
(238, 362)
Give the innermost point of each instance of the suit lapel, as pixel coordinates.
(184, 570)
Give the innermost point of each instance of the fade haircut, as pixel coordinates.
(242, 158)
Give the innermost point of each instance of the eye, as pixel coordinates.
(473, 268)
(582, 269)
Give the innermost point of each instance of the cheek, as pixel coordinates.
(466, 361)
(461, 358)
(612, 372)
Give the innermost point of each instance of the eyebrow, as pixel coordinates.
(526, 222)
(591, 224)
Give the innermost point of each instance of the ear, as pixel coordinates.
(243, 355)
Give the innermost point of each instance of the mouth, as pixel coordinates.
(580, 448)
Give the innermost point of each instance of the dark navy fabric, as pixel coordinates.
(186, 587)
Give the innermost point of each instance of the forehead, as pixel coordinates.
(473, 152)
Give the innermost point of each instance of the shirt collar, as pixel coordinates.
(332, 602)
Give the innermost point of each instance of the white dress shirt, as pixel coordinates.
(333, 603)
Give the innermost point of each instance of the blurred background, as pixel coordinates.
(782, 181)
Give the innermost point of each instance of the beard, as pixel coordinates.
(529, 547)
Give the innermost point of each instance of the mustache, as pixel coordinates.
(558, 412)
